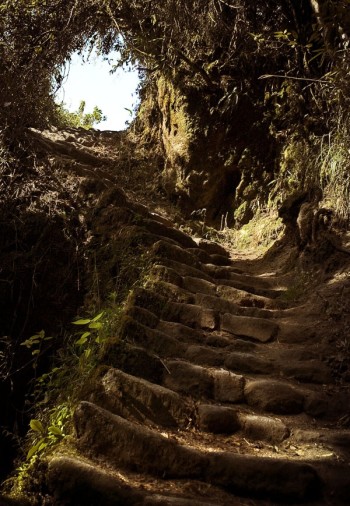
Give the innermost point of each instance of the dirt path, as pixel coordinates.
(224, 394)
(228, 393)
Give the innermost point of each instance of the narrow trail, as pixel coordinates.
(223, 395)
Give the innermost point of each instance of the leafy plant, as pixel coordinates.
(92, 333)
(46, 436)
(35, 343)
(79, 118)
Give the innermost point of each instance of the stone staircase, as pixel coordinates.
(214, 393)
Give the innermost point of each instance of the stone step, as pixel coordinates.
(235, 361)
(214, 338)
(338, 439)
(282, 398)
(226, 420)
(307, 371)
(171, 292)
(202, 382)
(142, 401)
(125, 445)
(212, 248)
(182, 269)
(181, 332)
(236, 356)
(135, 360)
(74, 481)
(197, 286)
(230, 273)
(255, 290)
(163, 249)
(263, 428)
(225, 306)
(157, 228)
(160, 343)
(192, 315)
(258, 329)
(210, 259)
(246, 299)
(189, 284)
(248, 363)
(298, 333)
(185, 290)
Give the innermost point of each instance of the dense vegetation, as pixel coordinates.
(247, 104)
(253, 83)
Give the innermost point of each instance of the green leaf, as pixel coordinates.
(35, 352)
(95, 325)
(26, 343)
(42, 444)
(56, 431)
(32, 451)
(82, 322)
(98, 317)
(81, 341)
(36, 426)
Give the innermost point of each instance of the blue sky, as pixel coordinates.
(92, 82)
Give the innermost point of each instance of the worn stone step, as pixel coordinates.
(204, 355)
(210, 259)
(142, 315)
(212, 339)
(216, 271)
(282, 398)
(196, 285)
(72, 481)
(212, 248)
(292, 332)
(263, 428)
(166, 500)
(258, 329)
(246, 299)
(189, 379)
(248, 363)
(230, 273)
(160, 343)
(134, 235)
(135, 360)
(217, 419)
(237, 362)
(167, 274)
(140, 400)
(200, 382)
(338, 439)
(192, 315)
(157, 228)
(183, 269)
(226, 306)
(255, 290)
(171, 292)
(164, 249)
(226, 420)
(126, 445)
(181, 332)
(188, 314)
(307, 371)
